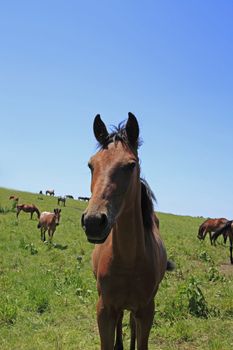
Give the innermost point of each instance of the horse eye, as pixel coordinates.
(130, 166)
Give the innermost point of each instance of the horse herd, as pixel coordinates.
(129, 259)
(48, 221)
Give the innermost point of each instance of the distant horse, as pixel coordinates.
(14, 198)
(129, 259)
(85, 199)
(227, 230)
(41, 192)
(27, 208)
(210, 226)
(69, 196)
(50, 192)
(61, 199)
(48, 222)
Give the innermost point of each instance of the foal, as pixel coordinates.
(129, 259)
(48, 222)
(27, 208)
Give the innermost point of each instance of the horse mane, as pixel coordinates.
(118, 133)
(147, 199)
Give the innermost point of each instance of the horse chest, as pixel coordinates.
(127, 290)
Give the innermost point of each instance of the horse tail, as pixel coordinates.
(170, 265)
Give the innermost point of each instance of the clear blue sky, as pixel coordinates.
(168, 62)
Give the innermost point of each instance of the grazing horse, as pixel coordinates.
(14, 198)
(61, 199)
(50, 192)
(27, 208)
(85, 199)
(69, 196)
(129, 259)
(48, 222)
(227, 229)
(210, 226)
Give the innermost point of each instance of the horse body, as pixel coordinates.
(27, 208)
(210, 226)
(129, 259)
(48, 222)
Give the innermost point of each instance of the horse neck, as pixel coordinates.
(128, 232)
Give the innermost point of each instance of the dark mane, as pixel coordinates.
(147, 199)
(118, 133)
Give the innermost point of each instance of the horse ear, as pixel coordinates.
(132, 129)
(100, 130)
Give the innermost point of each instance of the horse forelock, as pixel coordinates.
(118, 133)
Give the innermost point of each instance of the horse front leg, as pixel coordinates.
(107, 321)
(42, 234)
(119, 340)
(231, 241)
(50, 233)
(132, 332)
(144, 319)
(211, 241)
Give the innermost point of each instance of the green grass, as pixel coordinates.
(48, 292)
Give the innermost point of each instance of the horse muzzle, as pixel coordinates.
(96, 227)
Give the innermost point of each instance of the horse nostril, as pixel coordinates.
(82, 221)
(103, 220)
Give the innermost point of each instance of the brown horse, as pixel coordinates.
(48, 222)
(227, 230)
(210, 226)
(27, 208)
(129, 259)
(14, 198)
(50, 192)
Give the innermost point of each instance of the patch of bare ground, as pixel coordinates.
(226, 269)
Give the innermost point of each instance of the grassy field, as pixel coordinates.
(48, 292)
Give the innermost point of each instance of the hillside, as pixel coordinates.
(48, 292)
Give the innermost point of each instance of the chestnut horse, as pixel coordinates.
(129, 259)
(210, 226)
(227, 230)
(27, 208)
(48, 222)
